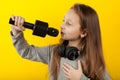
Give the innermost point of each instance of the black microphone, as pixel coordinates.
(40, 28)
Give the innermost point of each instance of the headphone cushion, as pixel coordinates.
(61, 50)
(72, 53)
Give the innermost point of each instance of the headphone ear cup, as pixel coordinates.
(72, 53)
(61, 50)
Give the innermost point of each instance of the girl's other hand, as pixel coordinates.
(71, 73)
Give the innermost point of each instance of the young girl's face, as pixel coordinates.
(70, 28)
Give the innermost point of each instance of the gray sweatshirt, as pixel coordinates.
(44, 54)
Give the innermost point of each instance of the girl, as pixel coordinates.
(79, 56)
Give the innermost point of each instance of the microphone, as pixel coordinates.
(40, 28)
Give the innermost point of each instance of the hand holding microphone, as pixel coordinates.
(39, 28)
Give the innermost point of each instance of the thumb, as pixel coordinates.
(79, 65)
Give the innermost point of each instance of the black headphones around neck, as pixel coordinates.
(71, 53)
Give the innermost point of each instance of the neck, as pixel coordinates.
(74, 43)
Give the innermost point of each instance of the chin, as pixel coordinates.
(64, 38)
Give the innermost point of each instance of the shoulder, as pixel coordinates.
(107, 76)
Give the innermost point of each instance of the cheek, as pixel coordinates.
(73, 33)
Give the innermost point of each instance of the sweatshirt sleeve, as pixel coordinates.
(30, 52)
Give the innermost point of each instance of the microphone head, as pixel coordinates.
(52, 31)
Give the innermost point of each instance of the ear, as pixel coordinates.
(83, 33)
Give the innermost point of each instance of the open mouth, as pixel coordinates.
(62, 32)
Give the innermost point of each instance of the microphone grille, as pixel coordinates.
(52, 32)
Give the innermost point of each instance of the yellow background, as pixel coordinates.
(13, 67)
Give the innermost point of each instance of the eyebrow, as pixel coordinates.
(68, 19)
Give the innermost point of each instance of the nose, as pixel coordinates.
(62, 26)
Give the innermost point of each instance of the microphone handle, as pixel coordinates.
(25, 24)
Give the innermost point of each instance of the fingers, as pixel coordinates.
(19, 21)
(66, 74)
(22, 21)
(17, 28)
(16, 21)
(66, 68)
(13, 18)
(72, 73)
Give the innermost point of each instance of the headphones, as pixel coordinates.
(71, 53)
